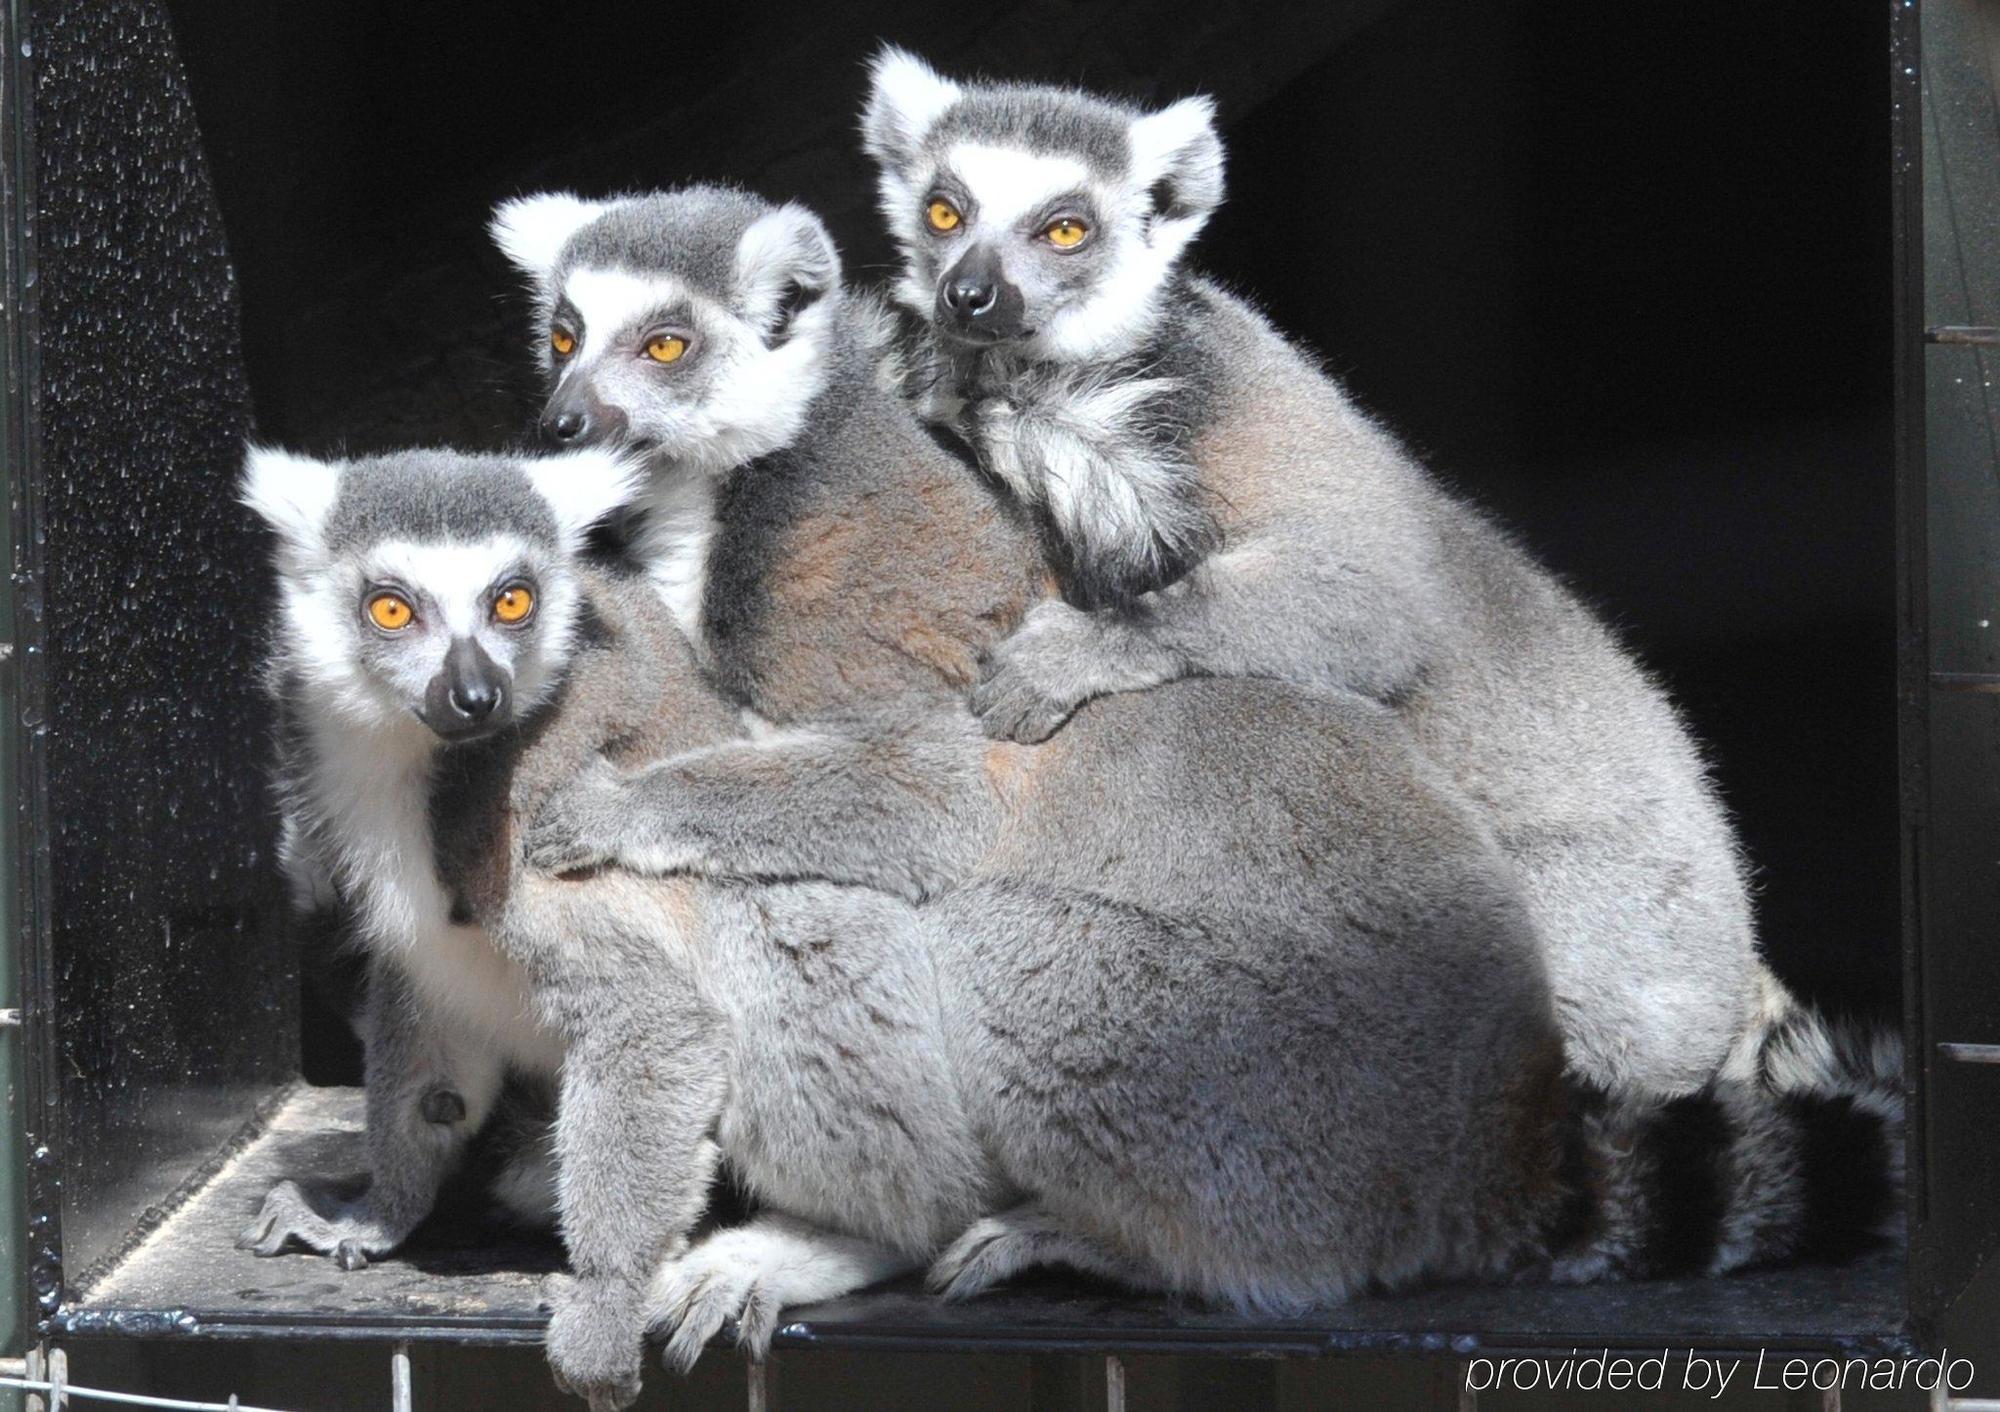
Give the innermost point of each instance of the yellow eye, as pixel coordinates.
(390, 612)
(563, 341)
(514, 603)
(666, 348)
(1066, 234)
(943, 216)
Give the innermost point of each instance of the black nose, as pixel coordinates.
(977, 303)
(474, 700)
(971, 297)
(469, 697)
(565, 426)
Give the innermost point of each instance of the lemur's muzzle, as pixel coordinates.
(977, 303)
(574, 417)
(468, 697)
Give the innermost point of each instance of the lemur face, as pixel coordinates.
(689, 324)
(429, 589)
(1036, 218)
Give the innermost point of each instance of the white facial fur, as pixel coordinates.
(532, 230)
(374, 681)
(453, 584)
(356, 822)
(610, 301)
(1010, 182)
(735, 396)
(742, 390)
(1136, 250)
(739, 397)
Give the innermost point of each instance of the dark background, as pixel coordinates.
(1619, 272)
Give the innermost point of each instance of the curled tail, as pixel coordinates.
(1793, 1152)
(515, 1153)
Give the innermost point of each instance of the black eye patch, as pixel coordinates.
(678, 318)
(1076, 204)
(949, 188)
(566, 316)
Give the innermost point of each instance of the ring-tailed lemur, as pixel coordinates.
(445, 658)
(1217, 506)
(1207, 966)
(394, 643)
(867, 1069)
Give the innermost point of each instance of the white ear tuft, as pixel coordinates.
(785, 262)
(1179, 149)
(532, 230)
(584, 487)
(905, 96)
(292, 494)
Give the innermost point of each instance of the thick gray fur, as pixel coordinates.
(442, 1022)
(1336, 562)
(1042, 1065)
(1038, 1067)
(1225, 990)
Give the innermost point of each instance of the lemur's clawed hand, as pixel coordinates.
(583, 824)
(326, 1217)
(596, 1339)
(1035, 680)
(605, 818)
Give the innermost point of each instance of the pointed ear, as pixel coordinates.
(785, 263)
(532, 230)
(292, 494)
(585, 487)
(1177, 154)
(905, 96)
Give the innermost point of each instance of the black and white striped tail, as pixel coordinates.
(1794, 1153)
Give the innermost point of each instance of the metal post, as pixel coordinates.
(58, 1380)
(1114, 1383)
(399, 1378)
(1943, 1401)
(27, 1062)
(37, 1372)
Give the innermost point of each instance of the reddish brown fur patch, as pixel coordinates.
(1247, 462)
(821, 562)
(952, 658)
(906, 586)
(676, 900)
(1011, 769)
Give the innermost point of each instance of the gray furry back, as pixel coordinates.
(1217, 506)
(1227, 989)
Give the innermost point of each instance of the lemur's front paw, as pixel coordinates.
(989, 1251)
(1035, 680)
(582, 825)
(998, 1247)
(323, 1216)
(604, 818)
(721, 1279)
(596, 1339)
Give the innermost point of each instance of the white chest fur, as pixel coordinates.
(371, 803)
(680, 522)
